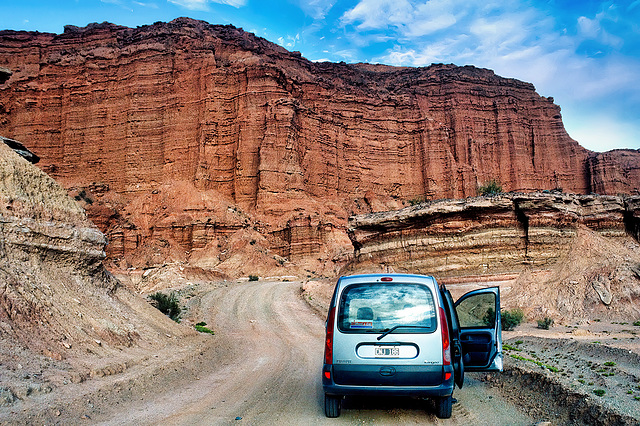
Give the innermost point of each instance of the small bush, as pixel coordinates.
(538, 363)
(599, 392)
(511, 319)
(545, 323)
(253, 278)
(203, 329)
(609, 363)
(637, 323)
(416, 201)
(492, 187)
(508, 321)
(167, 304)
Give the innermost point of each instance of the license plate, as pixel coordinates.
(387, 351)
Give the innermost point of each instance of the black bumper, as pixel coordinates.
(419, 381)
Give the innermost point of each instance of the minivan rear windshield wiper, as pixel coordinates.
(394, 328)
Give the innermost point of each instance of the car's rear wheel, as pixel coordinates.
(443, 407)
(332, 405)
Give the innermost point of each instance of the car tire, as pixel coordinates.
(332, 405)
(443, 407)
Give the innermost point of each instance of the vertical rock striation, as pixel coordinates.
(296, 145)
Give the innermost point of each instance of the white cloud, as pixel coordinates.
(436, 52)
(588, 27)
(204, 4)
(289, 42)
(579, 60)
(192, 4)
(317, 9)
(592, 29)
(141, 4)
(432, 16)
(430, 25)
(234, 3)
(377, 14)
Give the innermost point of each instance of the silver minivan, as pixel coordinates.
(403, 335)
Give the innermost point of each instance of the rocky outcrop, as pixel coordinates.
(294, 146)
(20, 149)
(4, 74)
(614, 172)
(56, 298)
(487, 235)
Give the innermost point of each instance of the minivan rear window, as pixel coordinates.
(376, 307)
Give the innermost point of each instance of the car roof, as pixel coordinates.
(404, 278)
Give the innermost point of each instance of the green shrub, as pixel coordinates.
(609, 363)
(167, 304)
(203, 329)
(492, 187)
(416, 201)
(545, 323)
(538, 363)
(253, 278)
(599, 392)
(637, 323)
(508, 347)
(510, 319)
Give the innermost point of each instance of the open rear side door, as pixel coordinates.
(454, 333)
(478, 314)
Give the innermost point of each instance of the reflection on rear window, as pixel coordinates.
(377, 307)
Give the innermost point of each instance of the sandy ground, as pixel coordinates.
(263, 367)
(597, 364)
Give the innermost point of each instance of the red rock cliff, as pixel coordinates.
(296, 145)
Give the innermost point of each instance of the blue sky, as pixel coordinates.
(584, 53)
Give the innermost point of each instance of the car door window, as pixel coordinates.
(478, 311)
(480, 332)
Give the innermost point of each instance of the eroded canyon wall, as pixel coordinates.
(487, 235)
(129, 114)
(56, 297)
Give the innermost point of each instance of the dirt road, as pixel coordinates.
(265, 370)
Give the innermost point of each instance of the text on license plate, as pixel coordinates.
(387, 351)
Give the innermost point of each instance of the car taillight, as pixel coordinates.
(328, 344)
(444, 329)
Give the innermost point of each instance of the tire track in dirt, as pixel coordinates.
(266, 369)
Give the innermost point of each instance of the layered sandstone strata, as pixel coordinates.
(294, 146)
(56, 297)
(487, 235)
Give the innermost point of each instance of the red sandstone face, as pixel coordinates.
(295, 146)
